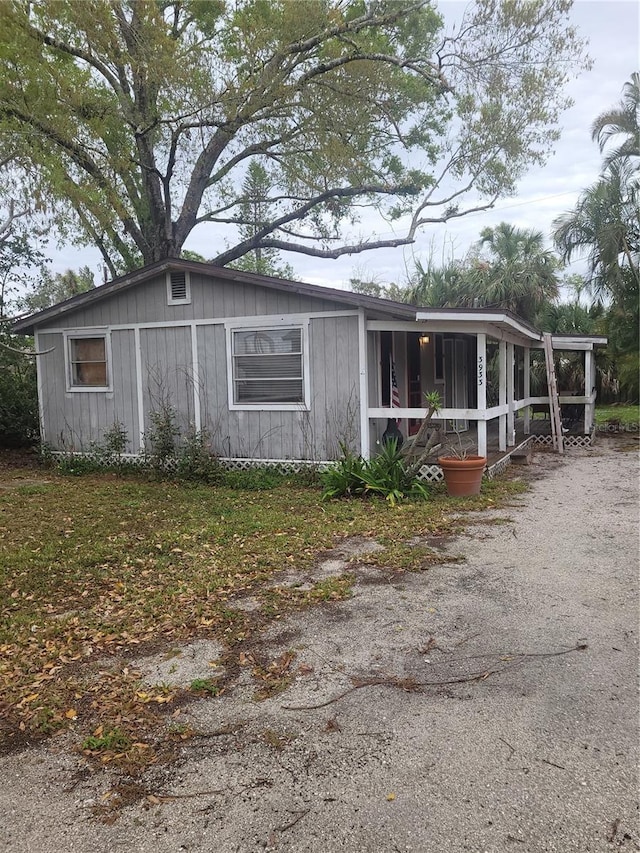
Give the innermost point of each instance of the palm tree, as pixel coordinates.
(438, 287)
(571, 318)
(623, 120)
(605, 225)
(512, 269)
(507, 268)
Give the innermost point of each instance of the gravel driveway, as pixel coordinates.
(486, 705)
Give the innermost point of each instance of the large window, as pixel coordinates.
(268, 367)
(88, 362)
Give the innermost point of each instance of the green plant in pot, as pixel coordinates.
(462, 470)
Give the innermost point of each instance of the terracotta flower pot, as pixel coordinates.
(462, 476)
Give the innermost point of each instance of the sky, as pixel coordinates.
(612, 28)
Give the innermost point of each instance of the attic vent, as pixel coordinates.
(178, 287)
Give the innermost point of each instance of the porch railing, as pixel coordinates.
(506, 412)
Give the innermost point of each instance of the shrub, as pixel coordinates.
(19, 422)
(344, 479)
(194, 460)
(160, 439)
(384, 474)
(109, 452)
(76, 465)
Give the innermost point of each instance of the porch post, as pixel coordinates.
(589, 383)
(364, 385)
(481, 385)
(511, 426)
(527, 389)
(502, 420)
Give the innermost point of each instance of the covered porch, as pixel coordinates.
(480, 362)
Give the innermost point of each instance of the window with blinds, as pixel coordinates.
(88, 362)
(268, 366)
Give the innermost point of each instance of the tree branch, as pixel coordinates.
(355, 249)
(26, 352)
(78, 53)
(7, 223)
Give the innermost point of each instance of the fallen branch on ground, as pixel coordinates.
(296, 820)
(410, 685)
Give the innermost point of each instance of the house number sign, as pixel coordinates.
(480, 370)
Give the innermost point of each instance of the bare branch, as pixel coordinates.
(26, 352)
(6, 224)
(355, 249)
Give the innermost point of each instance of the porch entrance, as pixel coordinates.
(431, 362)
(456, 394)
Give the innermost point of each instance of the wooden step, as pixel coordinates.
(522, 456)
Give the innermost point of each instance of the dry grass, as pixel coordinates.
(97, 569)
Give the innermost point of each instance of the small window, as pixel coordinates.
(88, 362)
(268, 367)
(178, 288)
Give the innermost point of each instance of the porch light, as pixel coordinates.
(424, 340)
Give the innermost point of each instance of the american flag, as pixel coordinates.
(395, 394)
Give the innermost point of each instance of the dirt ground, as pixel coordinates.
(488, 705)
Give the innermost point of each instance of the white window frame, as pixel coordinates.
(81, 334)
(187, 281)
(303, 405)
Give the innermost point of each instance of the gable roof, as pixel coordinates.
(498, 317)
(26, 325)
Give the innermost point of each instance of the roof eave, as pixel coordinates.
(27, 325)
(501, 319)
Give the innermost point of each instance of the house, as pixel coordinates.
(277, 370)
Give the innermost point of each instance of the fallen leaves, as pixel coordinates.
(98, 567)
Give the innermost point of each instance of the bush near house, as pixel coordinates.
(19, 424)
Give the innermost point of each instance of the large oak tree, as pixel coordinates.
(135, 121)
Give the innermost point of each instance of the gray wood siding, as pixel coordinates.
(210, 299)
(335, 385)
(167, 375)
(75, 419)
(72, 420)
(125, 407)
(314, 434)
(52, 388)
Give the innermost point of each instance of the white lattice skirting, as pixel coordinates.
(138, 460)
(282, 466)
(569, 441)
(428, 473)
(431, 473)
(498, 468)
